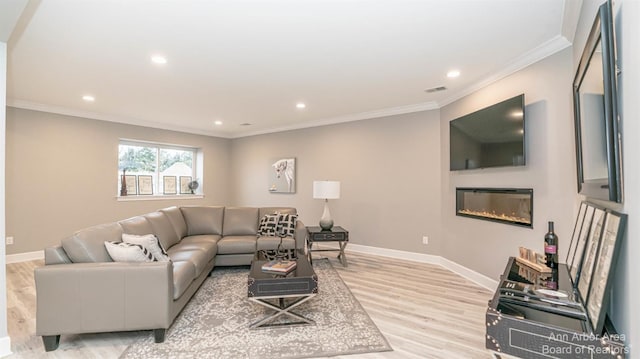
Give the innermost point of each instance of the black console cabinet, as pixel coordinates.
(527, 332)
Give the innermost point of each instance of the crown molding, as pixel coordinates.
(546, 49)
(391, 111)
(27, 105)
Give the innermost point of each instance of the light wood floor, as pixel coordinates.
(424, 311)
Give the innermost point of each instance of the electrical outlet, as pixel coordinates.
(425, 240)
(9, 240)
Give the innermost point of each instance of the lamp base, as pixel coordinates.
(326, 222)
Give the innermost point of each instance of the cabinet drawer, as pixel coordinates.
(329, 236)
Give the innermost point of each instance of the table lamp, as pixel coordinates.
(326, 190)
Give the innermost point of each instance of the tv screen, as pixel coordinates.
(491, 137)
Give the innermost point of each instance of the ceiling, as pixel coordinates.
(250, 62)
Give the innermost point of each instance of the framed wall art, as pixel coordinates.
(130, 181)
(184, 185)
(604, 265)
(282, 175)
(169, 185)
(590, 254)
(145, 184)
(575, 261)
(576, 233)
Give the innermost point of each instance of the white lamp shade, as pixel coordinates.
(326, 189)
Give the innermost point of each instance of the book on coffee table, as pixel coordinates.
(279, 266)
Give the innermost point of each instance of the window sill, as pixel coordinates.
(157, 197)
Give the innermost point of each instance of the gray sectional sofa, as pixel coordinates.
(82, 290)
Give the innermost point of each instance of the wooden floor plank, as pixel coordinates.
(424, 311)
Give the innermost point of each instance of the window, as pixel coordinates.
(156, 169)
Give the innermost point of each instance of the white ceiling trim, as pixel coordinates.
(27, 105)
(426, 106)
(548, 48)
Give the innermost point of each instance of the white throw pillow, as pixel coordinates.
(128, 252)
(150, 242)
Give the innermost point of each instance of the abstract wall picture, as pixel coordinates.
(282, 175)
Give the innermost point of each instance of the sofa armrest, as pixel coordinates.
(99, 297)
(301, 235)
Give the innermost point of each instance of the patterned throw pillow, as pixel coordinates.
(128, 252)
(150, 242)
(286, 225)
(268, 225)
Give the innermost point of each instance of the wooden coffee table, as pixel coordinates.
(282, 293)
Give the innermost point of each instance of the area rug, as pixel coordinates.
(215, 324)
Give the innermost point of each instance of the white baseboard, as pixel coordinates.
(479, 279)
(5, 347)
(24, 257)
(394, 253)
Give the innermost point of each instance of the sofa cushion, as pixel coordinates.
(237, 245)
(240, 221)
(268, 225)
(163, 229)
(214, 238)
(136, 225)
(129, 252)
(272, 243)
(184, 273)
(177, 220)
(200, 258)
(272, 210)
(211, 248)
(203, 220)
(87, 245)
(286, 225)
(148, 241)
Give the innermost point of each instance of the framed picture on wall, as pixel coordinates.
(130, 181)
(184, 185)
(576, 232)
(575, 261)
(590, 254)
(145, 184)
(169, 185)
(282, 175)
(607, 255)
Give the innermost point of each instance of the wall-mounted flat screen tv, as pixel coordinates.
(491, 137)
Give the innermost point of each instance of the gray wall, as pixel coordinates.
(484, 246)
(61, 175)
(388, 169)
(5, 345)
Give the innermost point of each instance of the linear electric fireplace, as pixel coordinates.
(504, 205)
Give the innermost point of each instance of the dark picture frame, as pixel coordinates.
(132, 184)
(145, 185)
(169, 185)
(590, 254)
(575, 265)
(577, 227)
(597, 130)
(598, 300)
(184, 184)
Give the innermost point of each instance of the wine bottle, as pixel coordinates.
(551, 247)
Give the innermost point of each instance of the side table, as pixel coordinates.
(335, 234)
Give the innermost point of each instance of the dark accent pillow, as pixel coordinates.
(268, 225)
(286, 225)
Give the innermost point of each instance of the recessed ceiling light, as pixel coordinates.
(158, 59)
(301, 105)
(217, 123)
(88, 98)
(453, 74)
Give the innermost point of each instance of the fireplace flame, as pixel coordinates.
(494, 215)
